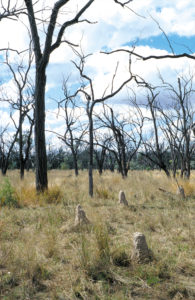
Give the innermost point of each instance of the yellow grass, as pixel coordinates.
(44, 256)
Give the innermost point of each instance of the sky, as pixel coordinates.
(145, 25)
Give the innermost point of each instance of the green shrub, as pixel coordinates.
(7, 195)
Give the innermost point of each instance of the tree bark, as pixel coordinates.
(90, 154)
(74, 155)
(40, 145)
(21, 140)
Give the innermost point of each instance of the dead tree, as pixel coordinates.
(178, 120)
(110, 161)
(88, 94)
(101, 145)
(7, 143)
(172, 136)
(155, 150)
(158, 149)
(125, 136)
(75, 130)
(42, 57)
(22, 101)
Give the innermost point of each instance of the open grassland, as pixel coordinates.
(44, 256)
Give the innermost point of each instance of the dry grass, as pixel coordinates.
(44, 256)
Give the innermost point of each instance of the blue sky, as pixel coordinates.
(115, 27)
(180, 44)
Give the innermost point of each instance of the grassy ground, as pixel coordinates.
(44, 256)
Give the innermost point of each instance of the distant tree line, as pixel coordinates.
(63, 160)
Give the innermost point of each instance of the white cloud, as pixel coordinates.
(115, 27)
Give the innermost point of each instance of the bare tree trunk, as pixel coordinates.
(40, 145)
(21, 170)
(90, 154)
(166, 171)
(124, 160)
(100, 158)
(21, 140)
(188, 167)
(4, 170)
(75, 163)
(4, 166)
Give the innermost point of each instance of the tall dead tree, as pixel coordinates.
(75, 129)
(170, 130)
(42, 57)
(101, 146)
(154, 149)
(157, 149)
(125, 133)
(178, 119)
(87, 91)
(22, 101)
(7, 143)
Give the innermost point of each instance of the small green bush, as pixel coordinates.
(7, 195)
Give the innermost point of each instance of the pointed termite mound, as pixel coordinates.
(141, 252)
(80, 217)
(122, 198)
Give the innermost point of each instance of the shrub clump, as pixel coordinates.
(8, 195)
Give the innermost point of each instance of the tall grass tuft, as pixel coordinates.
(102, 243)
(52, 196)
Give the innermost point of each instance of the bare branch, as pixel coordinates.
(75, 20)
(125, 5)
(164, 33)
(150, 56)
(10, 12)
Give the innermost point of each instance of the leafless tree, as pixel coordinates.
(7, 142)
(172, 136)
(75, 129)
(42, 57)
(22, 102)
(154, 148)
(101, 146)
(87, 91)
(178, 121)
(110, 161)
(126, 135)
